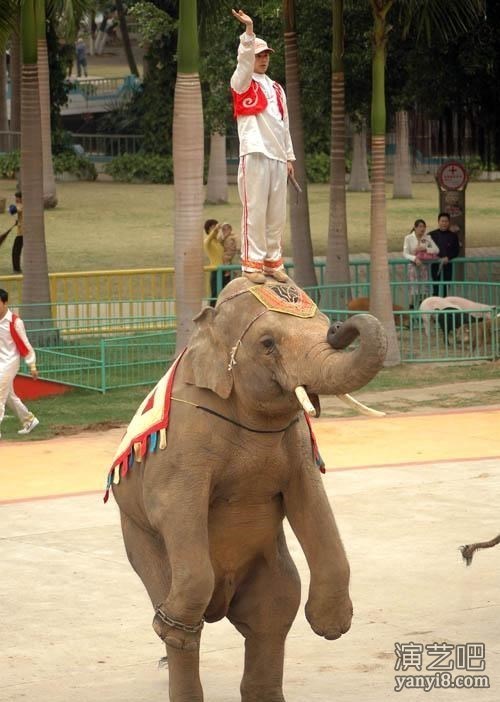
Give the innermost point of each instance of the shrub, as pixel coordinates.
(147, 168)
(9, 164)
(474, 166)
(80, 166)
(64, 162)
(318, 168)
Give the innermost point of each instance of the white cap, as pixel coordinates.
(261, 45)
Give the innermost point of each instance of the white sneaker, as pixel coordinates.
(29, 426)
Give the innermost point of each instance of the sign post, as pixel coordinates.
(452, 179)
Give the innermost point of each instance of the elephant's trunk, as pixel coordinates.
(342, 373)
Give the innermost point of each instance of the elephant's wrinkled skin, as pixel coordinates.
(202, 519)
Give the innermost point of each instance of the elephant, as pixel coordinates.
(202, 514)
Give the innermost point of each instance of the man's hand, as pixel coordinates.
(290, 169)
(244, 19)
(34, 372)
(445, 259)
(418, 262)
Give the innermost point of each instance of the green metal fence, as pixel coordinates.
(110, 344)
(480, 268)
(120, 345)
(430, 336)
(107, 363)
(337, 296)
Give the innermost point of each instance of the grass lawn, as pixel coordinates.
(105, 225)
(81, 409)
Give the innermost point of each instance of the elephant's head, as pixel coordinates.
(262, 342)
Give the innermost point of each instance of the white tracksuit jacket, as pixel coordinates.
(10, 361)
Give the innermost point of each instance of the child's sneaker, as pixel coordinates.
(29, 426)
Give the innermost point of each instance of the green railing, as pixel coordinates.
(451, 335)
(110, 344)
(159, 283)
(481, 268)
(104, 345)
(107, 363)
(337, 296)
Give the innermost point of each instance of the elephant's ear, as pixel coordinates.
(206, 359)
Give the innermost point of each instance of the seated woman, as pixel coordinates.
(418, 248)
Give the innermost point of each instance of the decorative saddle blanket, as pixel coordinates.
(147, 431)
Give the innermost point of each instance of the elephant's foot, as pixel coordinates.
(175, 633)
(330, 617)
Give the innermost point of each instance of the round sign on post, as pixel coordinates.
(452, 176)
(452, 179)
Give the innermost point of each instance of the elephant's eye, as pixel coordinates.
(268, 343)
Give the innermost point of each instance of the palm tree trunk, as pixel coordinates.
(300, 225)
(126, 39)
(359, 182)
(402, 170)
(15, 82)
(188, 175)
(217, 169)
(49, 181)
(337, 253)
(3, 100)
(380, 290)
(35, 269)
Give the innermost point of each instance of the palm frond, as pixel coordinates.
(444, 18)
(69, 13)
(210, 12)
(8, 18)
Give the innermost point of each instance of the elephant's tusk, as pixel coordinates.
(304, 400)
(362, 409)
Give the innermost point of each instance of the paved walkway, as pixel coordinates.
(76, 621)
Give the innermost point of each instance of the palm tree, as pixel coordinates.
(217, 169)
(35, 279)
(380, 290)
(402, 165)
(300, 226)
(3, 86)
(15, 71)
(49, 181)
(337, 255)
(188, 174)
(448, 16)
(126, 38)
(359, 182)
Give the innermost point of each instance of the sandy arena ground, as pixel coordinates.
(407, 491)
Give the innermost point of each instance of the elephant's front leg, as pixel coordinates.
(329, 607)
(180, 513)
(263, 611)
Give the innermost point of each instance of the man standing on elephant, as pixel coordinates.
(266, 157)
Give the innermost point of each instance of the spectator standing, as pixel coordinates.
(14, 344)
(215, 252)
(226, 237)
(266, 157)
(419, 249)
(81, 57)
(449, 248)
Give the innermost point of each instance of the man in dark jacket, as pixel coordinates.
(449, 248)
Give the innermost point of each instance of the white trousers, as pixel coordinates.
(262, 188)
(8, 396)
